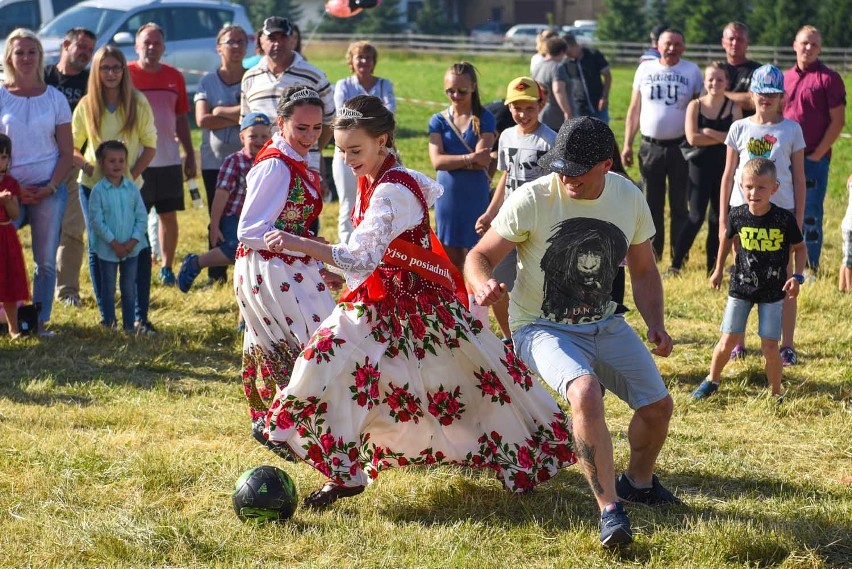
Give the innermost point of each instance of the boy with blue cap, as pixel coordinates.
(255, 131)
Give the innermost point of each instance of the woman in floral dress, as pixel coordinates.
(400, 373)
(282, 295)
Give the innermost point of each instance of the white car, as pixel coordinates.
(190, 27)
(585, 34)
(524, 34)
(29, 14)
(488, 32)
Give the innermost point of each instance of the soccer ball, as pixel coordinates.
(264, 494)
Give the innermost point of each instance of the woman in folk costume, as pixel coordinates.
(400, 373)
(282, 294)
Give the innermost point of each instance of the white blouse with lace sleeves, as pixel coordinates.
(393, 210)
(431, 189)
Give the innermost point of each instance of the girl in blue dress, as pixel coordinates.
(460, 141)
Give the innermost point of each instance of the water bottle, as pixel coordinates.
(192, 185)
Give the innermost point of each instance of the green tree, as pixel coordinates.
(655, 14)
(383, 19)
(432, 18)
(775, 22)
(833, 21)
(259, 10)
(702, 20)
(622, 20)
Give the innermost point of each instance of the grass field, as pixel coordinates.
(122, 452)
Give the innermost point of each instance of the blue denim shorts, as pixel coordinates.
(768, 317)
(228, 226)
(609, 350)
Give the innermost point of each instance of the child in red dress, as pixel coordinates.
(13, 272)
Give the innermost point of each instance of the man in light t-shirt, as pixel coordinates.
(572, 228)
(662, 89)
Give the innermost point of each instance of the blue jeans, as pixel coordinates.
(127, 285)
(143, 284)
(768, 318)
(816, 184)
(45, 220)
(603, 115)
(94, 267)
(143, 273)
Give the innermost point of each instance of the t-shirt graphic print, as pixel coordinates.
(579, 266)
(760, 267)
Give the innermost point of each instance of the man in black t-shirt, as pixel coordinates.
(71, 77)
(590, 80)
(737, 66)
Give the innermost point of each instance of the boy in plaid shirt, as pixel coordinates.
(228, 201)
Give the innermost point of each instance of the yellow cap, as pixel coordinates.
(522, 89)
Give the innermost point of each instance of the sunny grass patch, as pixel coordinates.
(122, 452)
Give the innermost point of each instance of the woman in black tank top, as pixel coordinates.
(705, 170)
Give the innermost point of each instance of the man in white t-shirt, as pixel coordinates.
(662, 88)
(572, 228)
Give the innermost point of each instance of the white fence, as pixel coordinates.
(839, 59)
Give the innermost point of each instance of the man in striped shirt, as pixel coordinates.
(280, 68)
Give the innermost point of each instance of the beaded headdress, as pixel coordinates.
(347, 113)
(305, 93)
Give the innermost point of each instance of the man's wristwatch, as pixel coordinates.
(799, 278)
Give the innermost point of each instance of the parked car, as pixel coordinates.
(524, 34)
(489, 32)
(29, 14)
(190, 27)
(585, 33)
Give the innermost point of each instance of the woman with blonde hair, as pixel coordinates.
(37, 118)
(362, 58)
(541, 47)
(460, 141)
(113, 110)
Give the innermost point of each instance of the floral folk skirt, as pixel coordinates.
(378, 387)
(282, 303)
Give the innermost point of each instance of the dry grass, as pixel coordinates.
(121, 452)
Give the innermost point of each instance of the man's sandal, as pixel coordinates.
(329, 494)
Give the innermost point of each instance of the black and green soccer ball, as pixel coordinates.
(264, 494)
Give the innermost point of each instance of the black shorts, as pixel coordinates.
(163, 188)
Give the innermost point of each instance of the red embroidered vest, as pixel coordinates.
(302, 206)
(399, 286)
